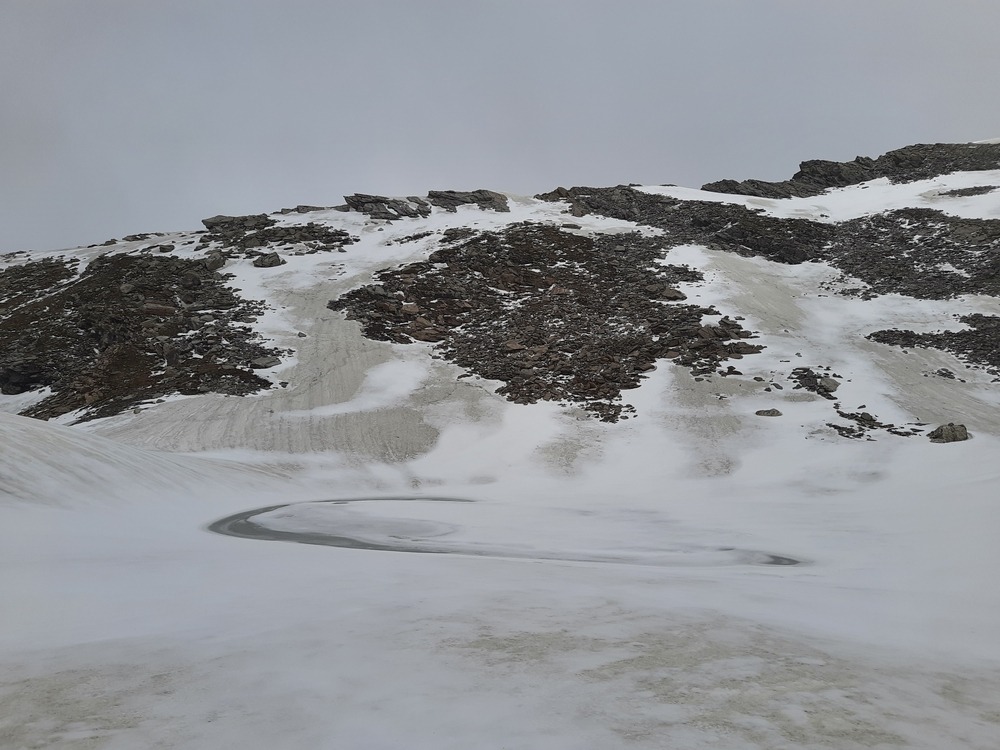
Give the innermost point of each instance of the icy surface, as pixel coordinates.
(589, 597)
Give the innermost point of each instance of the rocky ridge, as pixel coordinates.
(128, 328)
(922, 253)
(548, 310)
(553, 314)
(907, 164)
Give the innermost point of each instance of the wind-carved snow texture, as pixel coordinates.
(553, 314)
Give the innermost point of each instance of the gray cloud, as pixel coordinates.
(121, 116)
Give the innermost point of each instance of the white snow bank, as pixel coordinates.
(865, 199)
(47, 464)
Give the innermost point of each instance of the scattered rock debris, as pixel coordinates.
(128, 329)
(244, 234)
(865, 422)
(554, 315)
(970, 191)
(809, 379)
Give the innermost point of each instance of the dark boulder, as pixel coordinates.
(949, 433)
(918, 162)
(270, 260)
(452, 199)
(237, 224)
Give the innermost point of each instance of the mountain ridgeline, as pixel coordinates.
(550, 310)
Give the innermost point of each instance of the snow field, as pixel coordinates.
(128, 625)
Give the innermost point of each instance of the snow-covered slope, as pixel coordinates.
(693, 576)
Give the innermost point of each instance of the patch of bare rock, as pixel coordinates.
(552, 314)
(383, 208)
(917, 162)
(128, 329)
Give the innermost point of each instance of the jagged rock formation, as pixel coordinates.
(452, 199)
(387, 209)
(917, 162)
(390, 209)
(949, 433)
(246, 233)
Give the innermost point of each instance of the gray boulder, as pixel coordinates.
(452, 199)
(949, 433)
(214, 261)
(829, 384)
(263, 363)
(270, 260)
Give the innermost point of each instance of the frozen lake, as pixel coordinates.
(410, 524)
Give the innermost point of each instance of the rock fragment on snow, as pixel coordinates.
(269, 260)
(949, 433)
(829, 384)
(263, 363)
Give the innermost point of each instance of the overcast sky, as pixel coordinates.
(121, 116)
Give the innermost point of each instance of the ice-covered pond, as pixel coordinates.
(447, 525)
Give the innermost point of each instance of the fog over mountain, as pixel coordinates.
(122, 116)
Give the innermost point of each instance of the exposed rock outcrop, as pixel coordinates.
(554, 315)
(388, 209)
(246, 233)
(268, 260)
(485, 199)
(130, 328)
(917, 162)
